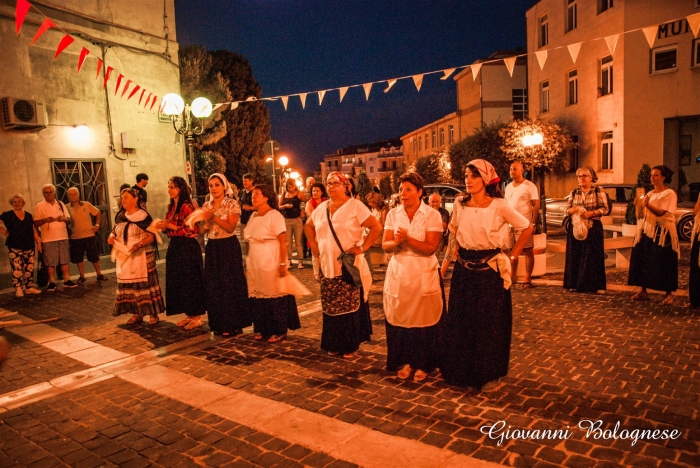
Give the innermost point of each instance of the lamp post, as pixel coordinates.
(530, 142)
(283, 160)
(181, 116)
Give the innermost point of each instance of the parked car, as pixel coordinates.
(448, 192)
(620, 194)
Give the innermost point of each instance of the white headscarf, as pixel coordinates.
(487, 171)
(227, 187)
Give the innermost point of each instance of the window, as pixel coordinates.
(607, 151)
(420, 144)
(573, 155)
(695, 62)
(434, 134)
(383, 166)
(544, 30)
(573, 88)
(519, 104)
(442, 137)
(604, 5)
(426, 142)
(393, 165)
(544, 97)
(371, 169)
(697, 3)
(415, 145)
(571, 15)
(664, 59)
(685, 149)
(451, 133)
(606, 75)
(328, 163)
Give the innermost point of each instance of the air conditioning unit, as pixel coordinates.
(22, 113)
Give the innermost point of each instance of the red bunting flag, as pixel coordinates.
(148, 99)
(23, 7)
(65, 42)
(45, 26)
(119, 82)
(99, 67)
(141, 97)
(126, 86)
(155, 98)
(133, 92)
(83, 53)
(108, 71)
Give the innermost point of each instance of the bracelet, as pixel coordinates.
(283, 264)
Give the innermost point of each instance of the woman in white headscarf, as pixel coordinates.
(479, 319)
(227, 290)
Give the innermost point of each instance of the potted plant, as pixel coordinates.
(629, 227)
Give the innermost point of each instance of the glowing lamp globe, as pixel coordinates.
(201, 107)
(283, 160)
(294, 175)
(172, 104)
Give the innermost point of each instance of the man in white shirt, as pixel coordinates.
(51, 217)
(522, 196)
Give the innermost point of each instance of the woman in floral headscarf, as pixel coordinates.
(227, 290)
(479, 320)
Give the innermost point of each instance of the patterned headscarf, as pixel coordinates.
(487, 171)
(227, 187)
(340, 177)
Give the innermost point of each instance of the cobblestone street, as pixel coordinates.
(89, 391)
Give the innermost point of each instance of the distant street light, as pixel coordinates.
(181, 117)
(530, 141)
(294, 175)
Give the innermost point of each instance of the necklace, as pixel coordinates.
(477, 206)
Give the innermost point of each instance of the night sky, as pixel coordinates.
(309, 45)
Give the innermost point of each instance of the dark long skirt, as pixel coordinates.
(184, 278)
(344, 333)
(143, 298)
(584, 270)
(274, 316)
(653, 266)
(477, 327)
(227, 289)
(694, 276)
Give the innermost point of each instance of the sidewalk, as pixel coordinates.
(87, 390)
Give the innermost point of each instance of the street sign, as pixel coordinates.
(271, 147)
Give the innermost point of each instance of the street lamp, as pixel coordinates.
(181, 116)
(283, 160)
(532, 140)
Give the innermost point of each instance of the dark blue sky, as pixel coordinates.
(308, 45)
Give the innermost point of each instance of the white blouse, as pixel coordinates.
(666, 200)
(485, 228)
(425, 220)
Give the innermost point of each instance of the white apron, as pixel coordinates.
(412, 294)
(262, 272)
(131, 268)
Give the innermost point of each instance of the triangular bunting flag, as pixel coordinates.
(119, 82)
(83, 53)
(368, 88)
(302, 96)
(510, 64)
(133, 92)
(99, 67)
(126, 87)
(418, 81)
(148, 99)
(108, 71)
(574, 49)
(650, 34)
(541, 57)
(694, 22)
(285, 100)
(447, 73)
(251, 98)
(45, 26)
(141, 97)
(342, 90)
(390, 84)
(155, 99)
(65, 42)
(475, 69)
(611, 41)
(216, 106)
(234, 105)
(321, 95)
(21, 11)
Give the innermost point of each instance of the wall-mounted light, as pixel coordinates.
(79, 135)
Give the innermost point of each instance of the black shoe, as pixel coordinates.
(69, 284)
(51, 287)
(102, 278)
(80, 280)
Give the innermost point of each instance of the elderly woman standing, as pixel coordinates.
(654, 260)
(336, 228)
(138, 290)
(21, 238)
(413, 302)
(274, 308)
(290, 206)
(184, 277)
(584, 270)
(227, 291)
(479, 322)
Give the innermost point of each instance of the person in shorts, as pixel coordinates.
(83, 238)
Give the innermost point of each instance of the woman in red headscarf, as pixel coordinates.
(479, 321)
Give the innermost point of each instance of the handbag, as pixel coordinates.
(42, 274)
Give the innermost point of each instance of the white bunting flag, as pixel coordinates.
(541, 58)
(650, 34)
(321, 95)
(234, 105)
(694, 22)
(368, 88)
(574, 49)
(285, 100)
(251, 98)
(343, 90)
(390, 83)
(475, 69)
(611, 41)
(510, 64)
(216, 106)
(418, 81)
(447, 73)
(302, 96)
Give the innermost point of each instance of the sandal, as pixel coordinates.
(277, 338)
(640, 296)
(153, 320)
(420, 376)
(194, 323)
(668, 300)
(333, 353)
(136, 318)
(258, 337)
(184, 322)
(405, 372)
(527, 285)
(349, 355)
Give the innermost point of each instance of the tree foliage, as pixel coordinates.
(205, 164)
(429, 168)
(541, 158)
(385, 186)
(363, 185)
(484, 143)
